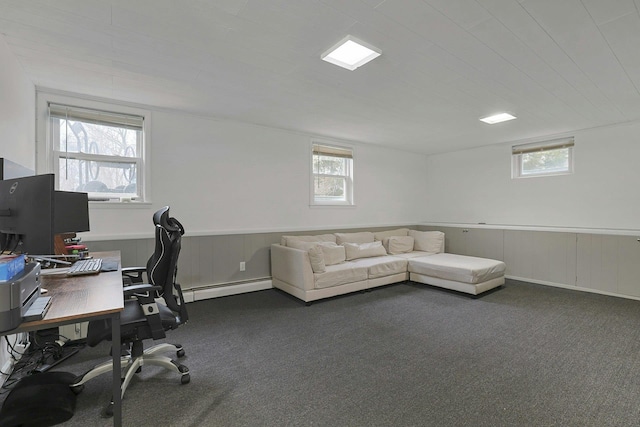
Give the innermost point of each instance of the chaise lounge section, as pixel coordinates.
(316, 267)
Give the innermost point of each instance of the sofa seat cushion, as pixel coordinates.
(340, 274)
(413, 254)
(382, 266)
(458, 268)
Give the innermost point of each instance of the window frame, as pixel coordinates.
(48, 157)
(518, 152)
(349, 176)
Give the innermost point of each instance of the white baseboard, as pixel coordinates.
(223, 291)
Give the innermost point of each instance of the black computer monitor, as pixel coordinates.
(32, 213)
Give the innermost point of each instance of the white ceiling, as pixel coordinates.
(559, 65)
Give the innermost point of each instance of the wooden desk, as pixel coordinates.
(84, 298)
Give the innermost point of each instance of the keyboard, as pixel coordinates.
(85, 266)
(38, 309)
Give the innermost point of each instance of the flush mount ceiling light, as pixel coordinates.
(351, 53)
(502, 117)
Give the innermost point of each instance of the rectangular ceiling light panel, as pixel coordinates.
(498, 118)
(351, 53)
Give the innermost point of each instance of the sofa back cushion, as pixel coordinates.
(286, 240)
(364, 250)
(361, 237)
(380, 235)
(400, 244)
(428, 241)
(383, 236)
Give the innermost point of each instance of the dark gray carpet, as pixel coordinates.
(402, 355)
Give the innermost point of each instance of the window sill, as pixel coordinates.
(324, 206)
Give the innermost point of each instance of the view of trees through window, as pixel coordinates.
(96, 157)
(330, 177)
(548, 161)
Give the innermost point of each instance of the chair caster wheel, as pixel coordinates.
(180, 353)
(185, 379)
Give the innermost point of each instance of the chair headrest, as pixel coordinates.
(161, 218)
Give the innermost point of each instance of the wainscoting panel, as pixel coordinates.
(597, 266)
(629, 265)
(518, 253)
(609, 263)
(555, 257)
(484, 243)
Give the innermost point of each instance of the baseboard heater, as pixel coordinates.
(226, 289)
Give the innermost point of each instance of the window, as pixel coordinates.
(542, 159)
(97, 152)
(332, 175)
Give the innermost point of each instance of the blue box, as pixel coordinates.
(10, 265)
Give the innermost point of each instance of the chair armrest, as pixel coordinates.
(133, 269)
(132, 275)
(136, 289)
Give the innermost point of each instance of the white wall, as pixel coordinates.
(225, 177)
(17, 111)
(17, 126)
(475, 186)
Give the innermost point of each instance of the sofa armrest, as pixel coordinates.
(291, 266)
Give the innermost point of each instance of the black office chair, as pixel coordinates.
(143, 316)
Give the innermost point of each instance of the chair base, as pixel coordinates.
(132, 363)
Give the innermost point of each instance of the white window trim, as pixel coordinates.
(350, 202)
(45, 153)
(518, 150)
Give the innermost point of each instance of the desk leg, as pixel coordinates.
(115, 352)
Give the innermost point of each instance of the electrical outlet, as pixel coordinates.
(242, 266)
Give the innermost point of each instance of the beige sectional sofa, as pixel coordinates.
(326, 265)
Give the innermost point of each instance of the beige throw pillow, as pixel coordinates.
(400, 244)
(428, 241)
(333, 254)
(317, 259)
(383, 236)
(364, 250)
